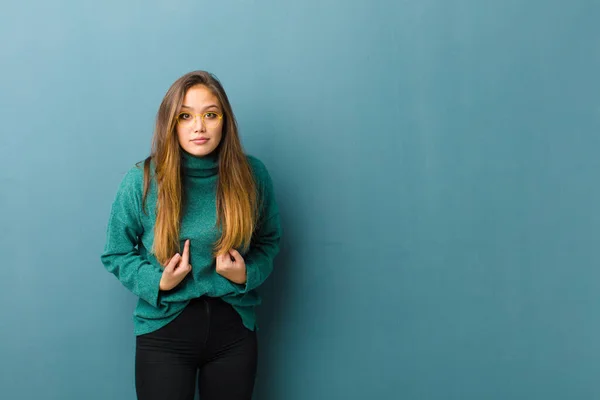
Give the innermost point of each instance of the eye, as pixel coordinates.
(185, 116)
(211, 115)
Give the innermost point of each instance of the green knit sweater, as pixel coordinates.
(127, 253)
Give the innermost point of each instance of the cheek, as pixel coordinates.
(180, 136)
(218, 134)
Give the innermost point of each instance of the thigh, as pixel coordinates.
(166, 360)
(162, 373)
(231, 372)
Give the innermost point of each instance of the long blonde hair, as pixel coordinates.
(236, 189)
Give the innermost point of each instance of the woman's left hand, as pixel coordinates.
(232, 266)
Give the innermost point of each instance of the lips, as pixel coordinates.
(200, 140)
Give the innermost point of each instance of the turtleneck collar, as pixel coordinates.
(199, 166)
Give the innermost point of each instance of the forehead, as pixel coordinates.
(199, 96)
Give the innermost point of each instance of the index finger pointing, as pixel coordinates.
(185, 257)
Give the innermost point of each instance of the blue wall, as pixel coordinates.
(436, 165)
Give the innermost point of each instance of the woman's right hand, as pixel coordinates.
(176, 269)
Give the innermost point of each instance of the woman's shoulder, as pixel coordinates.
(135, 174)
(264, 184)
(261, 173)
(134, 177)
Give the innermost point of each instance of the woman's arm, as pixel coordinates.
(121, 256)
(267, 236)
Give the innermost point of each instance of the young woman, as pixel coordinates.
(193, 232)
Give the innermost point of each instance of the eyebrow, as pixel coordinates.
(205, 108)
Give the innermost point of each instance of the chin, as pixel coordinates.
(199, 152)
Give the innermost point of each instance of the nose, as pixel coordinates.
(198, 125)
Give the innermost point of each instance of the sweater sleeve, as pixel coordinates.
(121, 255)
(266, 239)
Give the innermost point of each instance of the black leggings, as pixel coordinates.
(208, 341)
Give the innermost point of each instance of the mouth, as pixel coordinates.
(200, 140)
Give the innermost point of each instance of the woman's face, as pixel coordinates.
(199, 122)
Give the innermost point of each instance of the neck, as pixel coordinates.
(199, 166)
